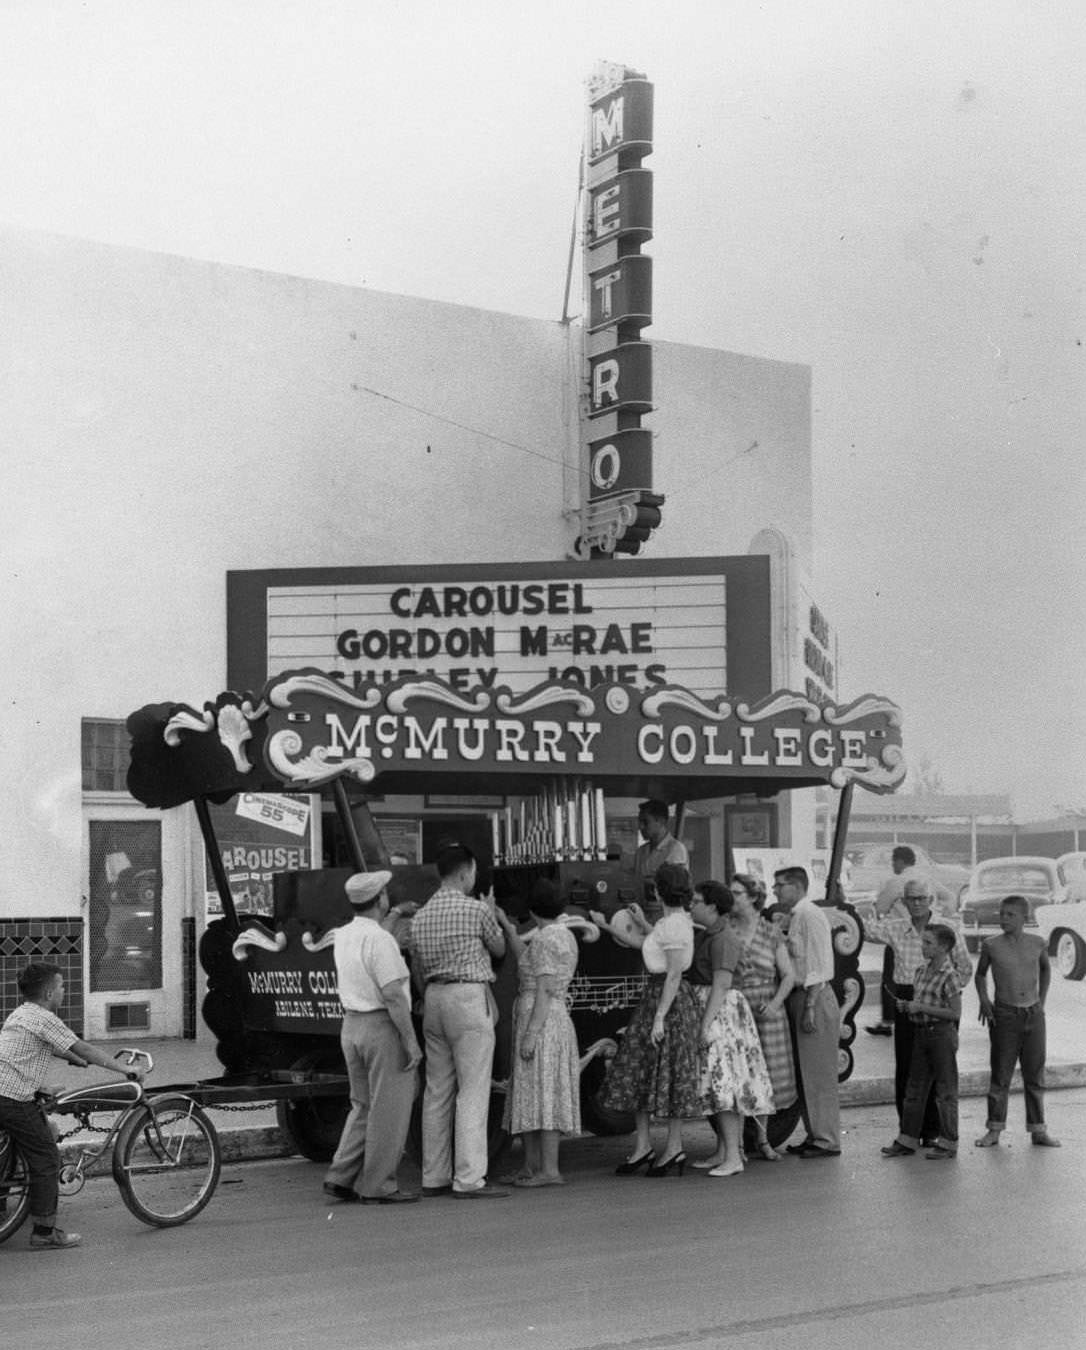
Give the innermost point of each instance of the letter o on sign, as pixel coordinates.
(606, 467)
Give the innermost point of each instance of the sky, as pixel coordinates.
(891, 193)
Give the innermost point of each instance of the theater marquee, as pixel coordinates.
(702, 623)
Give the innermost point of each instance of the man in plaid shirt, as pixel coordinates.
(29, 1040)
(904, 937)
(934, 1011)
(453, 937)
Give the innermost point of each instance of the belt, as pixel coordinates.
(450, 979)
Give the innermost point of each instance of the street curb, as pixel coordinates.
(254, 1143)
(974, 1083)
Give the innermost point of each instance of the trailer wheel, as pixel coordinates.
(314, 1124)
(595, 1116)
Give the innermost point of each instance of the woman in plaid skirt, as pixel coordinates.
(656, 1070)
(766, 977)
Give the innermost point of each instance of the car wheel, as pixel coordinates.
(1070, 955)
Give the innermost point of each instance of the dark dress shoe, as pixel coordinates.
(343, 1193)
(432, 1192)
(482, 1193)
(391, 1198)
(897, 1150)
(797, 1149)
(633, 1165)
(817, 1151)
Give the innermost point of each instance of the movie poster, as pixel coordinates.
(258, 835)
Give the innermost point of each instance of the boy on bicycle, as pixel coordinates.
(29, 1038)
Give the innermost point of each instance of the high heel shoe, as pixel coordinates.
(677, 1160)
(632, 1165)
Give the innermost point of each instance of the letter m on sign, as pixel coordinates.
(607, 126)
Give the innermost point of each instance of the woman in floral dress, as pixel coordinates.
(766, 977)
(656, 1070)
(543, 1102)
(734, 1078)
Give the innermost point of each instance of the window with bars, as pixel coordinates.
(105, 751)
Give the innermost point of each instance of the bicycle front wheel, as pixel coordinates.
(14, 1187)
(166, 1161)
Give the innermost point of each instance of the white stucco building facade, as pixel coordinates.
(167, 421)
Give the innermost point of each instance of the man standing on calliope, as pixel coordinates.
(814, 1013)
(660, 847)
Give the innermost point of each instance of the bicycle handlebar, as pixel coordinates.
(133, 1055)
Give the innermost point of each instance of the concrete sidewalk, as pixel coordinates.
(251, 1130)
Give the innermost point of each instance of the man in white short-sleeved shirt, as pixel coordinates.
(379, 1046)
(814, 1013)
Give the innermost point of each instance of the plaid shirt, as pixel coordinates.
(938, 988)
(902, 936)
(27, 1041)
(452, 937)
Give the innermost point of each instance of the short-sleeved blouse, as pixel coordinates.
(716, 948)
(674, 932)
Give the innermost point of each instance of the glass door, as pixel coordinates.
(134, 903)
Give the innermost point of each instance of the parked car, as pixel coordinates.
(1073, 875)
(1064, 924)
(1037, 879)
(869, 866)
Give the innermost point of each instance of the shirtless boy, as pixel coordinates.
(1015, 1019)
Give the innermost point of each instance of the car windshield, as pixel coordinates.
(1012, 876)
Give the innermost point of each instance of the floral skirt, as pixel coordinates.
(734, 1076)
(663, 1079)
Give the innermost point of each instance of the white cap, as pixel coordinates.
(364, 887)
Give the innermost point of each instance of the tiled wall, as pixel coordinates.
(59, 942)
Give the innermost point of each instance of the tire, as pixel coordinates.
(167, 1161)
(315, 1124)
(1070, 952)
(595, 1116)
(14, 1188)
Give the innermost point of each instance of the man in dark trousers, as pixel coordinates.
(903, 938)
(29, 1040)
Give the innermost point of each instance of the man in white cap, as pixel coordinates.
(379, 1046)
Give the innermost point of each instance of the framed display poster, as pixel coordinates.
(259, 834)
(761, 863)
(751, 826)
(402, 837)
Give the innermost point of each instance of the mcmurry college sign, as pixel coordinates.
(307, 729)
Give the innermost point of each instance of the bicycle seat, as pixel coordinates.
(101, 1097)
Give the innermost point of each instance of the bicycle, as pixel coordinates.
(166, 1155)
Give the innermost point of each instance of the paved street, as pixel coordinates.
(990, 1251)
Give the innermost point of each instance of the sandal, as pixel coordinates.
(764, 1149)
